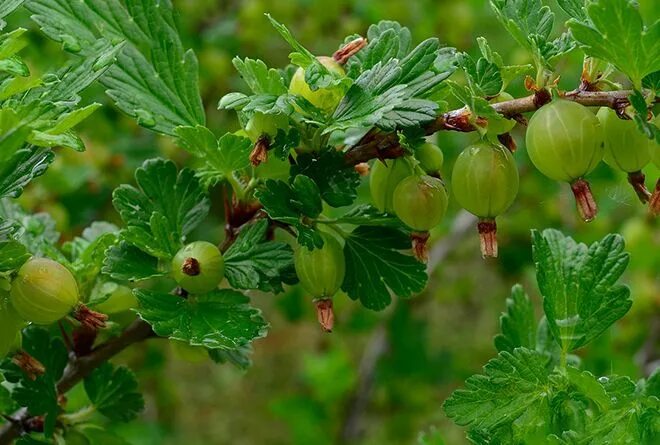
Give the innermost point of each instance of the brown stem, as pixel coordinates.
(77, 369)
(487, 237)
(383, 145)
(654, 202)
(636, 179)
(584, 199)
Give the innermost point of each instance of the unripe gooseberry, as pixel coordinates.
(626, 148)
(485, 183)
(120, 298)
(321, 271)
(565, 142)
(430, 157)
(420, 202)
(10, 329)
(43, 291)
(325, 99)
(384, 178)
(504, 126)
(265, 125)
(198, 267)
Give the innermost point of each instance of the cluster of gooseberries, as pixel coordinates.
(44, 291)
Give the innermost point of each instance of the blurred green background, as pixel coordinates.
(380, 378)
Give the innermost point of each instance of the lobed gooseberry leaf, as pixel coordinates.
(252, 262)
(616, 34)
(163, 209)
(259, 78)
(578, 284)
(154, 79)
(514, 385)
(376, 267)
(221, 157)
(220, 319)
(113, 392)
(531, 23)
(125, 262)
(517, 324)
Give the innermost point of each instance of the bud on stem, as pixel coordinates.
(325, 314)
(636, 179)
(487, 237)
(584, 199)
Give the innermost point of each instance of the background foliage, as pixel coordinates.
(381, 377)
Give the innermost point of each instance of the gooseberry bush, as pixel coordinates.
(289, 177)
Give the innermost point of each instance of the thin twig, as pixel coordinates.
(378, 144)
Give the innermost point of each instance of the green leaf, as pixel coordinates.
(35, 231)
(484, 76)
(12, 255)
(617, 35)
(628, 415)
(87, 252)
(316, 74)
(513, 384)
(6, 8)
(252, 262)
(294, 205)
(25, 165)
(578, 284)
(164, 208)
(391, 94)
(222, 157)
(337, 182)
(517, 324)
(574, 8)
(367, 215)
(238, 357)
(97, 435)
(376, 267)
(259, 77)
(218, 320)
(125, 262)
(531, 23)
(154, 78)
(40, 395)
(113, 392)
(648, 128)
